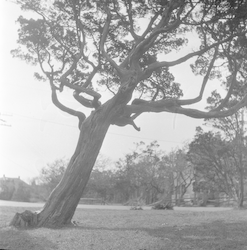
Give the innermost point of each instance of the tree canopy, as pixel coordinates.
(116, 45)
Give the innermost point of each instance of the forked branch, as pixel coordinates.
(204, 83)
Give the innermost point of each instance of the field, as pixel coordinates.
(132, 230)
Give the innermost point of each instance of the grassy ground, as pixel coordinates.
(132, 230)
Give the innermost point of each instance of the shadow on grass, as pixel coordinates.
(13, 239)
(216, 235)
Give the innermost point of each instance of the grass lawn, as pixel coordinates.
(132, 230)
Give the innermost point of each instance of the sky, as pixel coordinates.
(33, 132)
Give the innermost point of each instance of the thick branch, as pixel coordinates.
(83, 89)
(204, 83)
(172, 106)
(129, 11)
(83, 43)
(102, 43)
(63, 78)
(139, 39)
(91, 76)
(228, 95)
(233, 68)
(162, 27)
(78, 89)
(86, 102)
(124, 119)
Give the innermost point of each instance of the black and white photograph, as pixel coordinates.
(123, 124)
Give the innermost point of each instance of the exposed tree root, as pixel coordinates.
(25, 220)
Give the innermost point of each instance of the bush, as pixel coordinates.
(164, 206)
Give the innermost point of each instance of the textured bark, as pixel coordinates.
(25, 219)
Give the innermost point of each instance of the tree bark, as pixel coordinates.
(62, 202)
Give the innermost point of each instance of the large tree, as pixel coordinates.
(87, 45)
(232, 128)
(220, 164)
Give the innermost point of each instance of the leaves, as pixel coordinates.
(52, 173)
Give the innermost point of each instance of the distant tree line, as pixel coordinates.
(147, 174)
(213, 163)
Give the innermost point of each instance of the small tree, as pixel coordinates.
(87, 46)
(183, 173)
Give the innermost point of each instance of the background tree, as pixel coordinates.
(216, 165)
(87, 46)
(152, 176)
(51, 175)
(102, 180)
(183, 173)
(233, 130)
(139, 172)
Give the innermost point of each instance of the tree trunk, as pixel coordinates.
(241, 188)
(62, 202)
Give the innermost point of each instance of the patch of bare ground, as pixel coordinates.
(132, 230)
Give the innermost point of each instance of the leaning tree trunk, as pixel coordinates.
(62, 202)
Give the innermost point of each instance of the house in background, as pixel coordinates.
(14, 189)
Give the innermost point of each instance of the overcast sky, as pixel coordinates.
(33, 132)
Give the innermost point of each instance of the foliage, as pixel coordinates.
(166, 206)
(52, 173)
(102, 181)
(99, 185)
(141, 177)
(149, 174)
(215, 162)
(140, 173)
(233, 129)
(206, 153)
(89, 45)
(183, 173)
